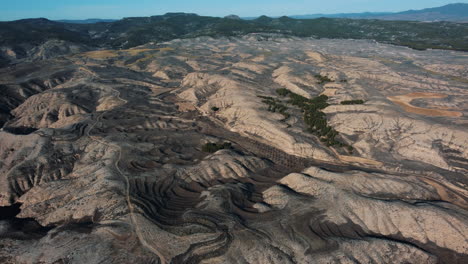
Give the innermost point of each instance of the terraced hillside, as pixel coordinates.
(217, 150)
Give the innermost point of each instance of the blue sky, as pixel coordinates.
(81, 9)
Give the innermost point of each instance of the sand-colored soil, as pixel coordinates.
(405, 102)
(88, 71)
(149, 56)
(134, 52)
(101, 54)
(186, 106)
(452, 195)
(329, 92)
(351, 159)
(108, 103)
(315, 56)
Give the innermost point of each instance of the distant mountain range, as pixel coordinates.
(457, 12)
(41, 37)
(86, 21)
(452, 12)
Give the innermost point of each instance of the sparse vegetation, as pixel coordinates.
(275, 106)
(352, 102)
(282, 91)
(215, 109)
(213, 147)
(314, 118)
(323, 79)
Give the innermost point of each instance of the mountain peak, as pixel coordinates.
(174, 14)
(37, 21)
(263, 19)
(235, 17)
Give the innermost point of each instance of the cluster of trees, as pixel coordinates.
(314, 118)
(323, 79)
(275, 106)
(352, 102)
(213, 147)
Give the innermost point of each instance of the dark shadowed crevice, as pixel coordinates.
(19, 228)
(20, 130)
(9, 212)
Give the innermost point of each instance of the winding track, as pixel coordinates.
(127, 182)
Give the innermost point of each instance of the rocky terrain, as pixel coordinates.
(215, 150)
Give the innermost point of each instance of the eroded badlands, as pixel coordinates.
(103, 153)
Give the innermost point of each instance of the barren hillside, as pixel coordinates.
(254, 149)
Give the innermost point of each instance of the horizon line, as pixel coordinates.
(272, 16)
